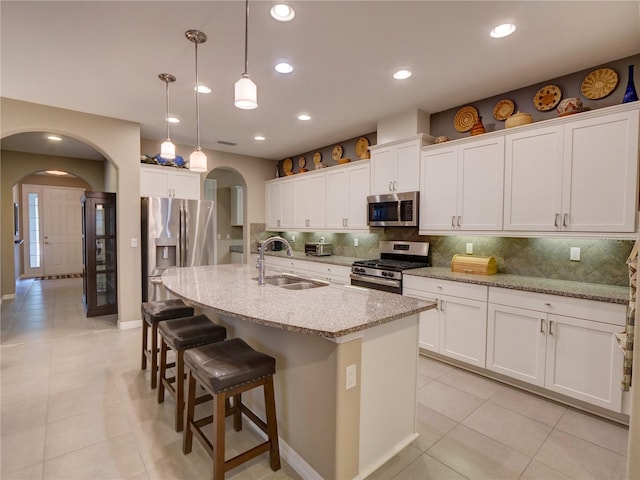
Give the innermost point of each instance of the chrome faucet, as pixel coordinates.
(260, 266)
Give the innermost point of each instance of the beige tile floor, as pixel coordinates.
(75, 405)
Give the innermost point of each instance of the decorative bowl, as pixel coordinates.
(518, 119)
(441, 139)
(569, 106)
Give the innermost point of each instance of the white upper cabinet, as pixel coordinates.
(309, 205)
(395, 167)
(601, 171)
(461, 186)
(279, 204)
(533, 180)
(157, 181)
(580, 176)
(347, 191)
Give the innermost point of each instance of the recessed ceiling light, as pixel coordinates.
(54, 138)
(402, 74)
(56, 172)
(173, 120)
(283, 68)
(202, 89)
(260, 138)
(282, 12)
(304, 117)
(503, 30)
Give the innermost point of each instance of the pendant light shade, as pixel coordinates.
(167, 149)
(246, 92)
(197, 159)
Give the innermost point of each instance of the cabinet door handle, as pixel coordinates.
(453, 221)
(441, 305)
(556, 220)
(278, 222)
(395, 185)
(542, 325)
(550, 327)
(565, 217)
(391, 186)
(458, 222)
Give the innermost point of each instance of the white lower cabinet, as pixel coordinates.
(318, 270)
(565, 345)
(457, 327)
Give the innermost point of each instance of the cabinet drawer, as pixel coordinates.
(604, 312)
(446, 287)
(325, 271)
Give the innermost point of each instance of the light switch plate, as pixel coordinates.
(469, 248)
(355, 242)
(351, 377)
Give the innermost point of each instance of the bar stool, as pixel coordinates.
(227, 369)
(152, 313)
(179, 335)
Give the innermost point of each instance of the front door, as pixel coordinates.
(53, 243)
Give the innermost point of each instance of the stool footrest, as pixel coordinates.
(253, 417)
(246, 456)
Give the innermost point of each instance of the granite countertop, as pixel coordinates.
(331, 312)
(565, 288)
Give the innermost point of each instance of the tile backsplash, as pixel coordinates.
(602, 261)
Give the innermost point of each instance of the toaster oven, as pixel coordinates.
(317, 249)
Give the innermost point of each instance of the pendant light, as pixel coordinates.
(246, 91)
(167, 149)
(197, 159)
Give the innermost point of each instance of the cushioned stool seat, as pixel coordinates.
(179, 335)
(152, 313)
(224, 370)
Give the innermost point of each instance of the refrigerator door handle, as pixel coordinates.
(183, 239)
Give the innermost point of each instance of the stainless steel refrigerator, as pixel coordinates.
(175, 233)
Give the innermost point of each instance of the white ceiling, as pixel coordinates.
(104, 57)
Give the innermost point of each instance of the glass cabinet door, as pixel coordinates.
(100, 247)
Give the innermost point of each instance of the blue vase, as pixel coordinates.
(630, 95)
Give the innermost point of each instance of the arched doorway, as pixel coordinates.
(228, 188)
(46, 176)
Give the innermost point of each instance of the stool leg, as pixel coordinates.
(237, 412)
(179, 389)
(145, 329)
(218, 434)
(187, 437)
(162, 370)
(272, 426)
(154, 355)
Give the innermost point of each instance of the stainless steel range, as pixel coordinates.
(385, 273)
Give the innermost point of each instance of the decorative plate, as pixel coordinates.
(599, 83)
(287, 166)
(317, 158)
(547, 98)
(503, 109)
(336, 153)
(362, 148)
(465, 118)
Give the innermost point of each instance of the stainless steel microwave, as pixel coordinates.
(393, 210)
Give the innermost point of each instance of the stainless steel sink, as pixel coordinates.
(305, 285)
(280, 280)
(293, 282)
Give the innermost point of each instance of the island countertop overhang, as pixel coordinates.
(331, 312)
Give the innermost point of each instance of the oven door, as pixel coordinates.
(377, 283)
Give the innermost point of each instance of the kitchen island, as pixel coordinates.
(346, 363)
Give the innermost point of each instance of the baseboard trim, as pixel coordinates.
(129, 324)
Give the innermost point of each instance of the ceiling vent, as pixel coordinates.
(231, 144)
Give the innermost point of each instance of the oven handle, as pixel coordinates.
(375, 280)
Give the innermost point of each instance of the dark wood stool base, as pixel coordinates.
(222, 408)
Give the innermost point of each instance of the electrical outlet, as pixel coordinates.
(469, 248)
(134, 242)
(574, 254)
(293, 239)
(355, 242)
(321, 239)
(351, 377)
